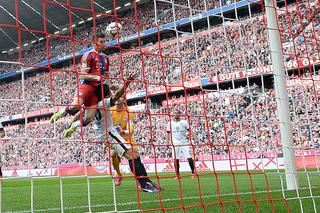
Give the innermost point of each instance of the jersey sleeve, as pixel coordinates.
(86, 62)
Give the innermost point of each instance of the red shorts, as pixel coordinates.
(87, 93)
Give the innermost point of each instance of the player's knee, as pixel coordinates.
(136, 153)
(87, 120)
(72, 110)
(113, 154)
(75, 105)
(129, 154)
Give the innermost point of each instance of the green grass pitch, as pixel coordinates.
(16, 194)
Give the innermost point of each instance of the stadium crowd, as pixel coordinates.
(248, 119)
(238, 121)
(296, 24)
(188, 58)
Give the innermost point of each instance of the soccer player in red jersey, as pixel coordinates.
(93, 73)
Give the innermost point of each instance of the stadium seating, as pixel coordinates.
(217, 52)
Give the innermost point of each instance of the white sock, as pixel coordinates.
(63, 112)
(77, 123)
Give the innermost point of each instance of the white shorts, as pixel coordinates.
(182, 151)
(117, 143)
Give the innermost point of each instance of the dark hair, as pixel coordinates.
(100, 35)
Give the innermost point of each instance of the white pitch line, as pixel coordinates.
(149, 201)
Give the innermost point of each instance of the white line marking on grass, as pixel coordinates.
(150, 201)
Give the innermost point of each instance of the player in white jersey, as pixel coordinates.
(118, 144)
(106, 131)
(2, 134)
(178, 130)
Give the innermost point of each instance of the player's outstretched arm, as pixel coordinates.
(121, 90)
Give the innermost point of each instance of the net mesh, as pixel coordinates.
(209, 59)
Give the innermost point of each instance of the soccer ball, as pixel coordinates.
(112, 29)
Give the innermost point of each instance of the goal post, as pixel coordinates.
(243, 74)
(280, 79)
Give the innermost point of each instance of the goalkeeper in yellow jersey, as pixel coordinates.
(123, 121)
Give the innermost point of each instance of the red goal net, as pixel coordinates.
(238, 80)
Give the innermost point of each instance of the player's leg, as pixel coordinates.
(115, 158)
(1, 175)
(71, 109)
(138, 169)
(91, 102)
(88, 117)
(100, 93)
(186, 153)
(135, 148)
(177, 167)
(116, 162)
(85, 119)
(137, 158)
(176, 155)
(136, 166)
(85, 92)
(191, 164)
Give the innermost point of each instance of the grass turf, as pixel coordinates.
(17, 196)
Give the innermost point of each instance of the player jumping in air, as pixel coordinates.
(181, 144)
(2, 134)
(123, 121)
(94, 68)
(103, 121)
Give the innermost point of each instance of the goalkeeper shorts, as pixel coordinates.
(117, 143)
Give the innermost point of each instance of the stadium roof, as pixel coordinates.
(31, 16)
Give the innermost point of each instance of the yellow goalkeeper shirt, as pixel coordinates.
(124, 119)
